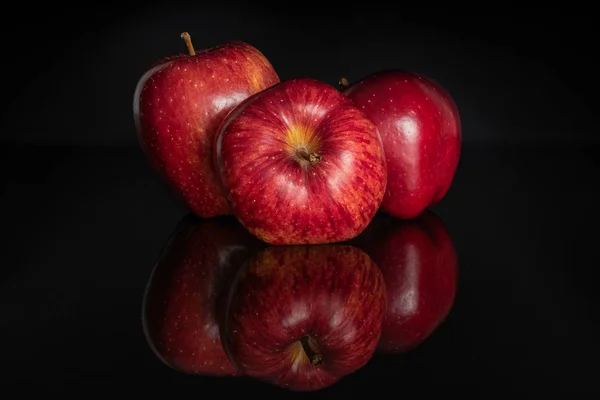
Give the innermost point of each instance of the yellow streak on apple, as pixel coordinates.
(298, 356)
(302, 142)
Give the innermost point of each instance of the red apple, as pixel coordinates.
(301, 164)
(421, 132)
(181, 305)
(178, 106)
(303, 317)
(420, 266)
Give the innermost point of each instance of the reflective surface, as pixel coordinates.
(185, 297)
(221, 303)
(515, 311)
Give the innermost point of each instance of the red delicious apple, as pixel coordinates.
(301, 164)
(181, 304)
(420, 267)
(303, 317)
(178, 106)
(421, 132)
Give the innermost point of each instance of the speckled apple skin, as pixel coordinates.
(284, 199)
(420, 127)
(178, 106)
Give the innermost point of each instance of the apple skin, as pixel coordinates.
(420, 127)
(181, 306)
(420, 266)
(332, 295)
(178, 106)
(301, 164)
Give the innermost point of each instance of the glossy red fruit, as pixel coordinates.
(420, 127)
(303, 317)
(420, 265)
(301, 164)
(178, 106)
(182, 303)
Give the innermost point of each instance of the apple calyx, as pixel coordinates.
(308, 345)
(188, 42)
(343, 83)
(311, 157)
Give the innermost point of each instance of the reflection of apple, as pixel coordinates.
(178, 106)
(301, 164)
(180, 304)
(302, 317)
(420, 265)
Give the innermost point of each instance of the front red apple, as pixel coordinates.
(420, 128)
(420, 265)
(178, 106)
(301, 164)
(181, 305)
(303, 317)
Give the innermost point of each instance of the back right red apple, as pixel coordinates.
(420, 129)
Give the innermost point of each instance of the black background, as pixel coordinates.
(83, 217)
(516, 74)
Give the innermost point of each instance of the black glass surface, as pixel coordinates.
(84, 228)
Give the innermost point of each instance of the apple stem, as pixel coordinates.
(314, 357)
(343, 83)
(313, 158)
(188, 42)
